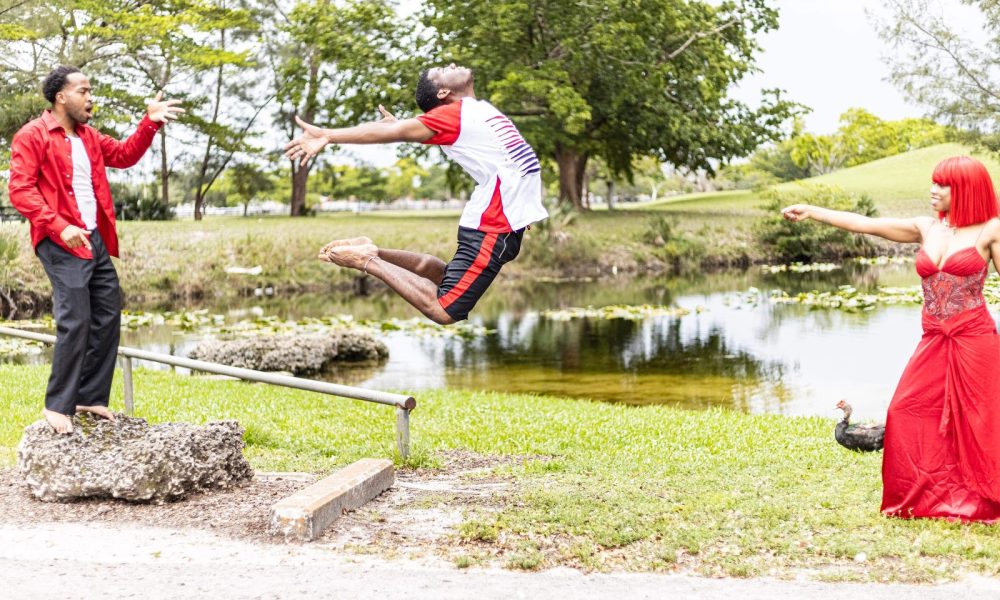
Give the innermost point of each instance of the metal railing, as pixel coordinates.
(403, 404)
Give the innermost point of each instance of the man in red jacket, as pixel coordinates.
(57, 181)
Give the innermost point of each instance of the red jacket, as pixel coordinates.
(41, 177)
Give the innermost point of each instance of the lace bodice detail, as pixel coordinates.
(946, 295)
(954, 288)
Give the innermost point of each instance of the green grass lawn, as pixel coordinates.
(608, 486)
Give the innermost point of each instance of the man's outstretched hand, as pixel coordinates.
(161, 111)
(387, 117)
(312, 141)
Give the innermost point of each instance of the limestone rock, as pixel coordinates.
(298, 354)
(130, 459)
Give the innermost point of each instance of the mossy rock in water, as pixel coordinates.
(130, 459)
(298, 354)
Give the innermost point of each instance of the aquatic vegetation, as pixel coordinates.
(618, 311)
(19, 347)
(186, 320)
(797, 267)
(850, 298)
(206, 323)
(885, 260)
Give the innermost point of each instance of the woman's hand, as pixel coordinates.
(796, 212)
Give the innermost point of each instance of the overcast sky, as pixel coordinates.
(825, 54)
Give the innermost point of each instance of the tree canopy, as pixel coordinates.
(616, 79)
(949, 70)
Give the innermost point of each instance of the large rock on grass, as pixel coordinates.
(298, 354)
(130, 459)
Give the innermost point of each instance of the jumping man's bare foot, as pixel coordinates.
(352, 256)
(345, 242)
(100, 411)
(59, 422)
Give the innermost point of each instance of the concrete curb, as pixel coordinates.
(305, 514)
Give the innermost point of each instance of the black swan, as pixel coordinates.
(863, 438)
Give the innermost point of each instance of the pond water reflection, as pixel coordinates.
(755, 357)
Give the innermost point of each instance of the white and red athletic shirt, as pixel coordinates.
(484, 142)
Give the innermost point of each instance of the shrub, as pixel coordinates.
(810, 241)
(10, 250)
(134, 207)
(131, 204)
(681, 251)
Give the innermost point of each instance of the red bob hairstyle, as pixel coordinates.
(973, 199)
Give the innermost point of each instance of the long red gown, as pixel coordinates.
(942, 433)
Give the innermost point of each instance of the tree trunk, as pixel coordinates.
(300, 176)
(572, 168)
(300, 179)
(164, 174)
(611, 194)
(201, 189)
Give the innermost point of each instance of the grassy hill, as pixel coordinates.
(898, 184)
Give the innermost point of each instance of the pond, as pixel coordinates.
(732, 349)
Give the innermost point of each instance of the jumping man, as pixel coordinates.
(507, 198)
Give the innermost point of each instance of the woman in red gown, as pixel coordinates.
(942, 433)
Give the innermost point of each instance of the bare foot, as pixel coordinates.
(352, 256)
(59, 422)
(100, 411)
(346, 242)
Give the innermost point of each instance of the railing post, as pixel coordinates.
(403, 431)
(127, 384)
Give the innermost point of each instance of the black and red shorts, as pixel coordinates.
(476, 264)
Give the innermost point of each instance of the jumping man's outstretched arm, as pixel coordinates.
(896, 230)
(385, 131)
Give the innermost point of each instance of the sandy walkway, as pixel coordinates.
(67, 560)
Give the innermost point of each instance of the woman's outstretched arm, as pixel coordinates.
(896, 230)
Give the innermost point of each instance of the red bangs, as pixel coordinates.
(973, 199)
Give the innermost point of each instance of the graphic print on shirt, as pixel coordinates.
(488, 146)
(518, 150)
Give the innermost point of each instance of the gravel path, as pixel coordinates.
(96, 560)
(216, 546)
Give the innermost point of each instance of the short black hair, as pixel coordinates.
(427, 91)
(55, 81)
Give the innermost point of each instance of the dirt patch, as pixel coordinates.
(418, 514)
(422, 511)
(241, 512)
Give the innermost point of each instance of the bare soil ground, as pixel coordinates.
(417, 515)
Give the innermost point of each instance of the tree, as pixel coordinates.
(129, 47)
(434, 185)
(246, 181)
(333, 64)
(866, 137)
(950, 72)
(616, 79)
(405, 177)
(819, 154)
(189, 46)
(347, 182)
(34, 37)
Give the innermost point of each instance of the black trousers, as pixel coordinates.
(86, 303)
